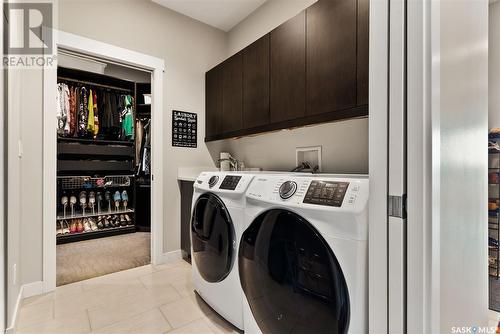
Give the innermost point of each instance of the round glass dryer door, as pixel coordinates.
(212, 238)
(291, 278)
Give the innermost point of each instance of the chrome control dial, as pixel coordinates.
(288, 189)
(213, 181)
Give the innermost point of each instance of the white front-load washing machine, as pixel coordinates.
(216, 227)
(303, 259)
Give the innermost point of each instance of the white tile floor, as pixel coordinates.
(149, 299)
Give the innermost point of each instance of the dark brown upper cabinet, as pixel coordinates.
(288, 69)
(363, 38)
(232, 94)
(331, 56)
(256, 83)
(311, 69)
(213, 99)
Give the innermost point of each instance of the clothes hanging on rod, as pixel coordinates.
(143, 141)
(94, 112)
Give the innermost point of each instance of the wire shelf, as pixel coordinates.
(79, 182)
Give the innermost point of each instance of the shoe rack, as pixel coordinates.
(96, 166)
(494, 211)
(94, 207)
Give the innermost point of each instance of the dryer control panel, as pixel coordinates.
(326, 193)
(329, 192)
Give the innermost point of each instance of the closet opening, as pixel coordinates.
(103, 190)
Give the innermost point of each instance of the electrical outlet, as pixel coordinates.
(14, 274)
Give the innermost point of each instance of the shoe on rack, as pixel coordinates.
(100, 222)
(73, 227)
(117, 198)
(123, 221)
(59, 228)
(129, 221)
(110, 220)
(65, 227)
(125, 199)
(79, 226)
(86, 225)
(64, 202)
(107, 197)
(72, 202)
(83, 199)
(93, 224)
(91, 199)
(99, 201)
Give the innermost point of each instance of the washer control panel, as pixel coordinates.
(230, 182)
(326, 193)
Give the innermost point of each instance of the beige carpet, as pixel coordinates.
(91, 258)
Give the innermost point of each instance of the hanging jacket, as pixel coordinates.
(66, 113)
(82, 113)
(62, 107)
(96, 116)
(72, 111)
(90, 118)
(138, 142)
(128, 118)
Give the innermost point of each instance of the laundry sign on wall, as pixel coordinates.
(184, 128)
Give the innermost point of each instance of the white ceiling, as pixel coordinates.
(222, 14)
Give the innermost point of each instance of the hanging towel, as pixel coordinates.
(90, 119)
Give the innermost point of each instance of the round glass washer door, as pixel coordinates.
(291, 277)
(212, 238)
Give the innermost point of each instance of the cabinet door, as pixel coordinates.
(288, 69)
(213, 96)
(331, 56)
(363, 35)
(232, 94)
(256, 83)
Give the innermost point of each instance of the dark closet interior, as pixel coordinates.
(103, 156)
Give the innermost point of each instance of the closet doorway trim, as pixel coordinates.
(106, 52)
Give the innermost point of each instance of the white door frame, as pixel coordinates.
(87, 46)
(378, 166)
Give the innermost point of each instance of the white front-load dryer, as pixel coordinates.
(303, 255)
(216, 227)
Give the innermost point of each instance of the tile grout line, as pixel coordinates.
(88, 319)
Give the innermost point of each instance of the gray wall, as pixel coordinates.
(25, 198)
(344, 144)
(494, 66)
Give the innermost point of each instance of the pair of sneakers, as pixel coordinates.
(123, 197)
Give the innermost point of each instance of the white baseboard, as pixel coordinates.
(26, 291)
(12, 327)
(170, 256)
(33, 289)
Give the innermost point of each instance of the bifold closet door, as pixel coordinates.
(396, 228)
